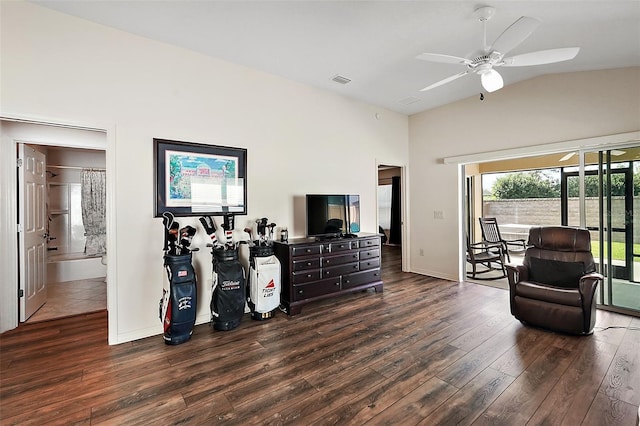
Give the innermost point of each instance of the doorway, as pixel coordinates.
(65, 145)
(390, 205)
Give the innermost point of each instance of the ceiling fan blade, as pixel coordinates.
(515, 34)
(444, 59)
(541, 57)
(445, 81)
(567, 156)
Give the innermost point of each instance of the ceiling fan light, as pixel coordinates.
(491, 80)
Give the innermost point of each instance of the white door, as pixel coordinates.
(33, 230)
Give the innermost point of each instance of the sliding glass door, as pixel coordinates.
(601, 195)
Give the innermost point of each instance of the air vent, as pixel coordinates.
(408, 101)
(340, 79)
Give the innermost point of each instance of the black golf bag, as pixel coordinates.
(264, 282)
(229, 289)
(179, 302)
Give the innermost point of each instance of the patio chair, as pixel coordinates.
(486, 255)
(491, 234)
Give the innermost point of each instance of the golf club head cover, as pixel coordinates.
(228, 226)
(186, 236)
(209, 225)
(173, 237)
(262, 226)
(167, 220)
(271, 227)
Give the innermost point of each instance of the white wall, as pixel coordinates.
(299, 139)
(543, 110)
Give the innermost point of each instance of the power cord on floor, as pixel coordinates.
(617, 326)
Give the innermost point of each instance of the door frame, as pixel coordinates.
(8, 227)
(627, 270)
(404, 207)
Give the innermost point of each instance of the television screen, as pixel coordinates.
(332, 215)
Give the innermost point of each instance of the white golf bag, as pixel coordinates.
(264, 282)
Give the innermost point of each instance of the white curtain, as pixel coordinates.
(384, 206)
(94, 195)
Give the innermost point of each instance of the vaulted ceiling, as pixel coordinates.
(374, 44)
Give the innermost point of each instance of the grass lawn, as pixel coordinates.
(617, 250)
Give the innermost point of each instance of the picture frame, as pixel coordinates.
(193, 179)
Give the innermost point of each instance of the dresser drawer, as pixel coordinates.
(317, 288)
(339, 260)
(336, 271)
(303, 264)
(371, 263)
(368, 254)
(339, 246)
(369, 242)
(305, 250)
(305, 276)
(359, 278)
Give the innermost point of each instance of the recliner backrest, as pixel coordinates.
(563, 243)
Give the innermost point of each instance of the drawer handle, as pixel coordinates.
(299, 291)
(309, 275)
(308, 263)
(337, 284)
(326, 261)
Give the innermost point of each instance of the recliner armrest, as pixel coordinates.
(587, 287)
(516, 272)
(588, 284)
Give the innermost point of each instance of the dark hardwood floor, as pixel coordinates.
(425, 351)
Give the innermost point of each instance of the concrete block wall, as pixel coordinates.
(546, 212)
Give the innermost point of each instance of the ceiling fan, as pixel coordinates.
(483, 62)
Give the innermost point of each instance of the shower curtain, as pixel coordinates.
(93, 201)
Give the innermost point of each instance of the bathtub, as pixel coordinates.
(74, 266)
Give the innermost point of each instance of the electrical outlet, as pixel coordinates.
(421, 252)
(438, 214)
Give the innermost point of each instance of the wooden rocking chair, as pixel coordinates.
(487, 255)
(491, 234)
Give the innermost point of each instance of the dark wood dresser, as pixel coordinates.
(314, 270)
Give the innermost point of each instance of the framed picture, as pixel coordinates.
(196, 179)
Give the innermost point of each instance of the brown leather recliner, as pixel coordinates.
(555, 286)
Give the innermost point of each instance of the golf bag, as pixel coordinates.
(229, 289)
(264, 282)
(179, 302)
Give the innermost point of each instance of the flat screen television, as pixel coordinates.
(330, 216)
